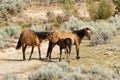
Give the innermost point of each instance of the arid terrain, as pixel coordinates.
(106, 55)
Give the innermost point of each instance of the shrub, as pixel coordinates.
(62, 71)
(100, 37)
(69, 8)
(7, 34)
(115, 21)
(103, 34)
(56, 24)
(117, 3)
(11, 76)
(12, 6)
(102, 10)
(117, 67)
(101, 74)
(9, 8)
(42, 27)
(50, 72)
(51, 16)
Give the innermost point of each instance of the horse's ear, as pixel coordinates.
(87, 28)
(51, 33)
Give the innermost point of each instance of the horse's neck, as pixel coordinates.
(41, 35)
(81, 34)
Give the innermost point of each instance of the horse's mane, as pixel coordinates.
(81, 32)
(42, 34)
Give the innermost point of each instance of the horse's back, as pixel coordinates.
(63, 35)
(29, 38)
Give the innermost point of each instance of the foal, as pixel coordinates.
(65, 44)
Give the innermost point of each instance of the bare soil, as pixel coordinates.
(11, 60)
(106, 55)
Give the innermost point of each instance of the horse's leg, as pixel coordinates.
(51, 51)
(77, 51)
(50, 47)
(23, 50)
(60, 54)
(67, 52)
(31, 52)
(39, 51)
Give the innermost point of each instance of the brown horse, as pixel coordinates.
(31, 38)
(65, 44)
(75, 36)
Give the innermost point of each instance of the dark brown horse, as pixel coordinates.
(75, 36)
(31, 38)
(65, 44)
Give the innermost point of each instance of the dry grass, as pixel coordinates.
(106, 55)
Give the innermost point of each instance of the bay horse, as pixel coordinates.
(30, 38)
(65, 44)
(76, 37)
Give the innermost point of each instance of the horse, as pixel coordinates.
(76, 37)
(31, 38)
(65, 44)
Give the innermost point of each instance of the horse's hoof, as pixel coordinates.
(24, 59)
(40, 58)
(29, 59)
(78, 58)
(68, 61)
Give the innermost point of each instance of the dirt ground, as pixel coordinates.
(11, 59)
(106, 55)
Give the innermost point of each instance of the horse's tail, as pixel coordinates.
(19, 43)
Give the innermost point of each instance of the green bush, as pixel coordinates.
(101, 10)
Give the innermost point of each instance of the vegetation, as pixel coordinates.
(11, 7)
(102, 34)
(101, 10)
(11, 76)
(117, 3)
(43, 27)
(69, 8)
(61, 70)
(7, 34)
(116, 21)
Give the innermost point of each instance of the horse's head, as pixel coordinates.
(50, 36)
(88, 33)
